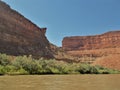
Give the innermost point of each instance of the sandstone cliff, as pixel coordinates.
(19, 36)
(103, 50)
(106, 40)
(93, 46)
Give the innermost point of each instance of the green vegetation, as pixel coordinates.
(23, 65)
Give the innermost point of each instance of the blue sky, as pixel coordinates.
(70, 17)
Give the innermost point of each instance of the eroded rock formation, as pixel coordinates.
(106, 40)
(93, 46)
(19, 36)
(92, 49)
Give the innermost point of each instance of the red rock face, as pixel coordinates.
(93, 46)
(19, 36)
(102, 50)
(107, 40)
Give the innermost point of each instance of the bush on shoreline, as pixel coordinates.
(23, 65)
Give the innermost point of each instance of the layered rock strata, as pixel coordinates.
(19, 36)
(106, 40)
(97, 49)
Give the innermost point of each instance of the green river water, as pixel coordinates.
(60, 82)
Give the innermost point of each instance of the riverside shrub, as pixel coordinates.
(23, 65)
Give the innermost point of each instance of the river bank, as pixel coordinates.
(23, 65)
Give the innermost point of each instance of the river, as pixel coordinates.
(60, 82)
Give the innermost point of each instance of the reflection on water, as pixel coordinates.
(60, 82)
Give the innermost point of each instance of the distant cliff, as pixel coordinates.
(19, 36)
(103, 50)
(93, 46)
(106, 40)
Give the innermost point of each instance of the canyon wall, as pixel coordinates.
(19, 36)
(93, 46)
(106, 40)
